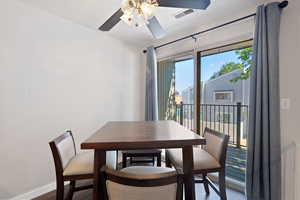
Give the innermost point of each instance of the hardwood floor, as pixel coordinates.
(200, 195)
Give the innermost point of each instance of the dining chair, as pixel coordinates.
(142, 183)
(209, 159)
(72, 166)
(144, 154)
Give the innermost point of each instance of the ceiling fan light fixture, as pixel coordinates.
(128, 6)
(138, 12)
(148, 8)
(142, 12)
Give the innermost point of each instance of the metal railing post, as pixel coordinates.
(181, 113)
(238, 125)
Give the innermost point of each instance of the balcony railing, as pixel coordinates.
(227, 119)
(231, 119)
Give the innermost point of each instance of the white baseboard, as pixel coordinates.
(37, 192)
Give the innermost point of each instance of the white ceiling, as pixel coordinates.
(92, 13)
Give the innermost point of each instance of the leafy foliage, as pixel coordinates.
(226, 68)
(245, 62)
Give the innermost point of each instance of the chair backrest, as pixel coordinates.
(63, 150)
(121, 185)
(216, 145)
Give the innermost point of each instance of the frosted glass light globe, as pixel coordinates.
(128, 6)
(147, 9)
(138, 12)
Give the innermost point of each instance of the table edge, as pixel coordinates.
(142, 144)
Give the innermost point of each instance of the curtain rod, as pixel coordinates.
(283, 4)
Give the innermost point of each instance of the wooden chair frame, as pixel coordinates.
(121, 178)
(221, 170)
(60, 178)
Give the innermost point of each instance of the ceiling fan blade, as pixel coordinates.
(155, 28)
(194, 4)
(112, 21)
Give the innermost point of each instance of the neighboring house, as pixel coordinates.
(178, 98)
(222, 91)
(188, 95)
(219, 98)
(188, 101)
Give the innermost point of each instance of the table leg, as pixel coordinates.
(188, 166)
(99, 161)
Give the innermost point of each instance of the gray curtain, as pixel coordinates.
(264, 152)
(151, 110)
(166, 90)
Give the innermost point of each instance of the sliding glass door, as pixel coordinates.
(222, 102)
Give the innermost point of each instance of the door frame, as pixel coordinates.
(208, 52)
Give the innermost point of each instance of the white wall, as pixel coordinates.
(290, 69)
(289, 89)
(56, 75)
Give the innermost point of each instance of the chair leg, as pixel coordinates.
(153, 160)
(71, 191)
(168, 161)
(117, 160)
(222, 184)
(205, 183)
(159, 160)
(124, 160)
(60, 190)
(179, 195)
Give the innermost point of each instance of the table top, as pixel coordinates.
(142, 135)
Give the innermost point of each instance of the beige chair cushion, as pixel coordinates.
(214, 145)
(118, 191)
(123, 192)
(66, 150)
(202, 159)
(148, 172)
(83, 163)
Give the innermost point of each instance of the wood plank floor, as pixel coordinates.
(200, 195)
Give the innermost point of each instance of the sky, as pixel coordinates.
(209, 65)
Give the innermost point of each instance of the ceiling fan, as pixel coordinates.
(141, 12)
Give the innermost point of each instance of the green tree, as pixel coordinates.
(245, 56)
(245, 59)
(226, 68)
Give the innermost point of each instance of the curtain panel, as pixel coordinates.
(166, 90)
(263, 180)
(151, 109)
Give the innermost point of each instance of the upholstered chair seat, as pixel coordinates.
(202, 159)
(208, 159)
(148, 172)
(143, 183)
(83, 163)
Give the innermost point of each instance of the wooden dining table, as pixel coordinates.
(143, 135)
